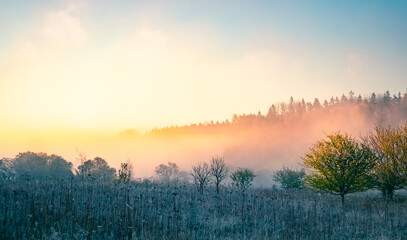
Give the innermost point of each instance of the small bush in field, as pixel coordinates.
(243, 178)
(290, 179)
(125, 172)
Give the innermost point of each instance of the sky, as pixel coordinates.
(105, 66)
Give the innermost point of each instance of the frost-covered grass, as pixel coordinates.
(40, 210)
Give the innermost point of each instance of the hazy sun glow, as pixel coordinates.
(75, 71)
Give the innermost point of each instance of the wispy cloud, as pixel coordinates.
(63, 27)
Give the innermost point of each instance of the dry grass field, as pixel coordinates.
(75, 210)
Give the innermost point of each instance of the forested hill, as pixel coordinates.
(280, 137)
(377, 109)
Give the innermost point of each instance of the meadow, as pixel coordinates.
(148, 210)
(125, 120)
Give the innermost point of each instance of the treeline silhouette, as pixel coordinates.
(43, 167)
(380, 109)
(280, 136)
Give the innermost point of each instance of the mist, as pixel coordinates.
(263, 142)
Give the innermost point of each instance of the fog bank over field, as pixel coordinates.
(280, 137)
(264, 142)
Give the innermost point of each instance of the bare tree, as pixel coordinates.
(219, 171)
(201, 174)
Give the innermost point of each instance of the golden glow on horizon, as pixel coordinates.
(244, 145)
(60, 74)
(69, 78)
(142, 75)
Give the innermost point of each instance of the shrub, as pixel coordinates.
(290, 179)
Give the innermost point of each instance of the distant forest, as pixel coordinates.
(263, 142)
(380, 109)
